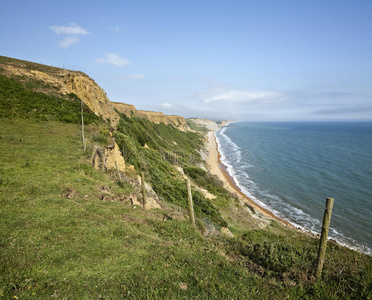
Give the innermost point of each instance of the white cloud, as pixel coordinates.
(134, 77)
(113, 59)
(243, 96)
(71, 34)
(73, 29)
(166, 105)
(67, 41)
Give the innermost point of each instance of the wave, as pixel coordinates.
(236, 164)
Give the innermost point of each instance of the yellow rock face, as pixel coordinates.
(67, 81)
(155, 117)
(93, 96)
(113, 154)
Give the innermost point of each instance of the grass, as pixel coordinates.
(154, 149)
(58, 239)
(19, 100)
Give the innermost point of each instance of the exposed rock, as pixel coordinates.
(66, 82)
(226, 232)
(152, 199)
(178, 122)
(133, 199)
(123, 108)
(70, 193)
(113, 155)
(208, 124)
(155, 117)
(92, 95)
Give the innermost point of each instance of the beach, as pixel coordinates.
(217, 168)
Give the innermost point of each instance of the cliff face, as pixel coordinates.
(155, 117)
(62, 81)
(89, 91)
(178, 122)
(208, 124)
(126, 109)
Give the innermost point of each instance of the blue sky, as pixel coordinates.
(239, 60)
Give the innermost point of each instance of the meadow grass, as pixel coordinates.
(57, 239)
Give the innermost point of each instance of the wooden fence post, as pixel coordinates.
(82, 127)
(103, 162)
(191, 207)
(117, 169)
(323, 237)
(143, 189)
(93, 155)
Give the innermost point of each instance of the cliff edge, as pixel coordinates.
(156, 117)
(53, 80)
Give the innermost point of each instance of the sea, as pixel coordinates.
(292, 168)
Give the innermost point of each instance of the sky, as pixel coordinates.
(220, 59)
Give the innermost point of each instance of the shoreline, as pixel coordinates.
(216, 167)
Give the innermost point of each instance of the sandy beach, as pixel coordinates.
(217, 168)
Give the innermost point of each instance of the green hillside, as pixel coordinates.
(68, 230)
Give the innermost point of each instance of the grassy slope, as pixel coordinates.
(80, 247)
(58, 238)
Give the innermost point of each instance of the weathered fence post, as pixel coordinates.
(82, 126)
(143, 189)
(117, 170)
(191, 207)
(323, 237)
(103, 162)
(92, 159)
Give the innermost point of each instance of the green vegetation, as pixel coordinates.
(211, 183)
(28, 65)
(59, 239)
(153, 149)
(19, 100)
(196, 127)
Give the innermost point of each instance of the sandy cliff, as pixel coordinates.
(156, 117)
(208, 124)
(92, 94)
(62, 81)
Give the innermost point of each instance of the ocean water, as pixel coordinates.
(291, 168)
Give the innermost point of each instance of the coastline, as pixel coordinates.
(216, 167)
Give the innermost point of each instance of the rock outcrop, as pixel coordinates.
(93, 96)
(113, 155)
(208, 124)
(127, 109)
(64, 82)
(155, 117)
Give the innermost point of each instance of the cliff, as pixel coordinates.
(205, 123)
(59, 81)
(155, 117)
(52, 80)
(92, 94)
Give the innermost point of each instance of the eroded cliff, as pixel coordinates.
(59, 81)
(155, 117)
